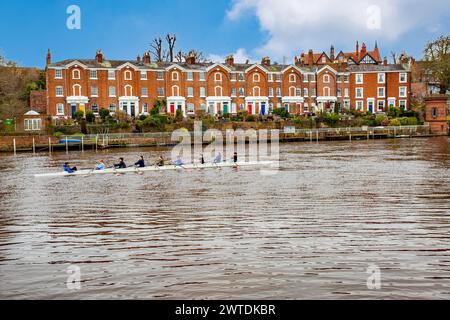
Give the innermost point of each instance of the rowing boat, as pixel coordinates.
(156, 168)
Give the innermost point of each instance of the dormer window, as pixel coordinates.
(324, 59)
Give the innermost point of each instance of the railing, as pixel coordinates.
(117, 136)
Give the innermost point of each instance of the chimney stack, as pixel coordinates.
(99, 56)
(385, 62)
(310, 57)
(265, 61)
(146, 58)
(332, 54)
(49, 57)
(363, 50)
(138, 58)
(357, 51)
(190, 59)
(230, 60)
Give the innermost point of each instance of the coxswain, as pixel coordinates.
(121, 164)
(68, 169)
(140, 163)
(179, 162)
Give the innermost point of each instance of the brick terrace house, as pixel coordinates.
(315, 82)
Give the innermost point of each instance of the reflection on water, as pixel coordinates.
(310, 231)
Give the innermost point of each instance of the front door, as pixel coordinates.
(370, 106)
(74, 110)
(133, 109)
(172, 108)
(250, 109)
(263, 109)
(225, 108)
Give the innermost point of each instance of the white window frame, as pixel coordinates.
(401, 74)
(94, 91)
(32, 124)
(305, 92)
(218, 77)
(326, 78)
(128, 78)
(59, 105)
(160, 75)
(278, 92)
(202, 92)
(356, 93)
(400, 102)
(190, 92)
(378, 105)
(57, 89)
(270, 76)
(292, 78)
(346, 93)
(76, 71)
(256, 76)
(159, 90)
(113, 92)
(190, 76)
(175, 76)
(233, 92)
(339, 92)
(58, 74)
(392, 100)
(400, 89)
(93, 74)
(144, 91)
(271, 92)
(111, 75)
(144, 75)
(202, 76)
(74, 90)
(359, 78)
(383, 76)
(381, 95)
(360, 105)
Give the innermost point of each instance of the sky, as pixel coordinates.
(249, 29)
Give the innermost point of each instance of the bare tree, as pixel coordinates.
(180, 56)
(437, 62)
(157, 49)
(171, 40)
(394, 57)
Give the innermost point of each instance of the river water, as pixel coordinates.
(311, 231)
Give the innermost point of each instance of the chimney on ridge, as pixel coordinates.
(265, 61)
(49, 57)
(146, 58)
(332, 54)
(99, 56)
(230, 60)
(310, 57)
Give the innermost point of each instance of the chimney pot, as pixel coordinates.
(230, 60)
(99, 56)
(49, 57)
(266, 62)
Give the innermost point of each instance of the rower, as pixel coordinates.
(160, 162)
(179, 162)
(121, 164)
(100, 166)
(218, 159)
(140, 163)
(202, 159)
(68, 169)
(235, 157)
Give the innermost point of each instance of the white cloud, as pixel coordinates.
(294, 25)
(240, 56)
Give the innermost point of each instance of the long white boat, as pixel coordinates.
(156, 168)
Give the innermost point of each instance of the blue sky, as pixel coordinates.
(248, 28)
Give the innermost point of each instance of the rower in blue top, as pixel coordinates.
(179, 162)
(68, 169)
(100, 166)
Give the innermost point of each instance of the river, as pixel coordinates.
(310, 231)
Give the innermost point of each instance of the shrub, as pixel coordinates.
(380, 120)
(90, 117)
(281, 112)
(104, 114)
(395, 123)
(179, 117)
(251, 118)
(79, 115)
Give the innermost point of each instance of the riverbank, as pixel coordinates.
(44, 143)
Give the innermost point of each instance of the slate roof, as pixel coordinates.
(376, 67)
